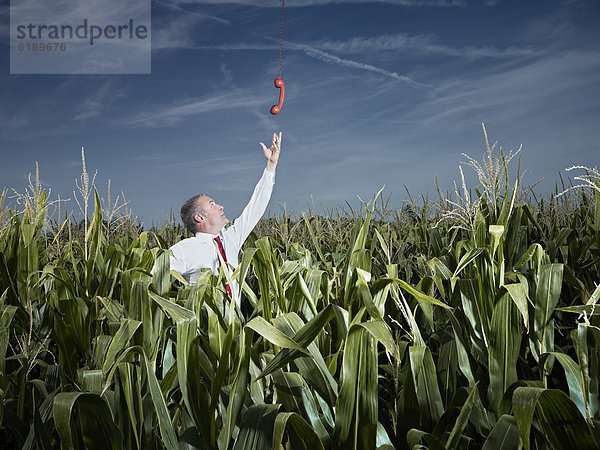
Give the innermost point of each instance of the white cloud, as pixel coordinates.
(155, 158)
(332, 59)
(201, 16)
(547, 84)
(321, 56)
(240, 46)
(226, 73)
(173, 32)
(14, 121)
(97, 102)
(421, 43)
(165, 116)
(305, 3)
(414, 44)
(175, 28)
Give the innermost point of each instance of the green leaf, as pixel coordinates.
(466, 260)
(478, 323)
(313, 238)
(304, 433)
(415, 438)
(504, 435)
(295, 395)
(358, 256)
(546, 298)
(161, 273)
(361, 288)
(129, 380)
(411, 290)
(175, 311)
(356, 407)
(384, 246)
(581, 347)
(7, 312)
(462, 420)
(91, 381)
(464, 362)
(589, 308)
(273, 335)
(238, 390)
(303, 338)
(380, 331)
(496, 231)
(424, 376)
(518, 293)
(574, 376)
(533, 249)
(559, 418)
(167, 432)
(168, 435)
(84, 421)
(503, 351)
(120, 342)
(256, 430)
(313, 368)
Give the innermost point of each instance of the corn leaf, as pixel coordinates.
(356, 407)
(84, 421)
(559, 418)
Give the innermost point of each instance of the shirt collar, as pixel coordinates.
(206, 236)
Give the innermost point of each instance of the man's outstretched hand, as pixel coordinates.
(272, 153)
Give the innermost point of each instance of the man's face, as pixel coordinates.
(214, 216)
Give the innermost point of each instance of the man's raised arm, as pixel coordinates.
(255, 208)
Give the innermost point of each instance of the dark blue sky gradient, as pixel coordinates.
(377, 93)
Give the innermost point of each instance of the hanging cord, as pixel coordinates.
(278, 81)
(281, 40)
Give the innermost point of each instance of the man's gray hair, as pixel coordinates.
(189, 209)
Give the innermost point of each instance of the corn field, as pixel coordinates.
(472, 326)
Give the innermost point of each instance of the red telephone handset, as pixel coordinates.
(278, 84)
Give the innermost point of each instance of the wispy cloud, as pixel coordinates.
(414, 44)
(23, 121)
(226, 73)
(201, 16)
(421, 43)
(150, 158)
(174, 26)
(332, 59)
(305, 3)
(559, 83)
(96, 102)
(165, 116)
(323, 50)
(14, 121)
(170, 32)
(321, 56)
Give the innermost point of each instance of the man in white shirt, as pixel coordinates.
(206, 219)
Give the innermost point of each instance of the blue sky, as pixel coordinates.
(387, 92)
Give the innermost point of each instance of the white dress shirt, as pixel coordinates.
(193, 254)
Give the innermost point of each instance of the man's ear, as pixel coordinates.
(199, 218)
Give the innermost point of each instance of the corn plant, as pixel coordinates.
(472, 328)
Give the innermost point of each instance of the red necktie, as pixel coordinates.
(222, 251)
